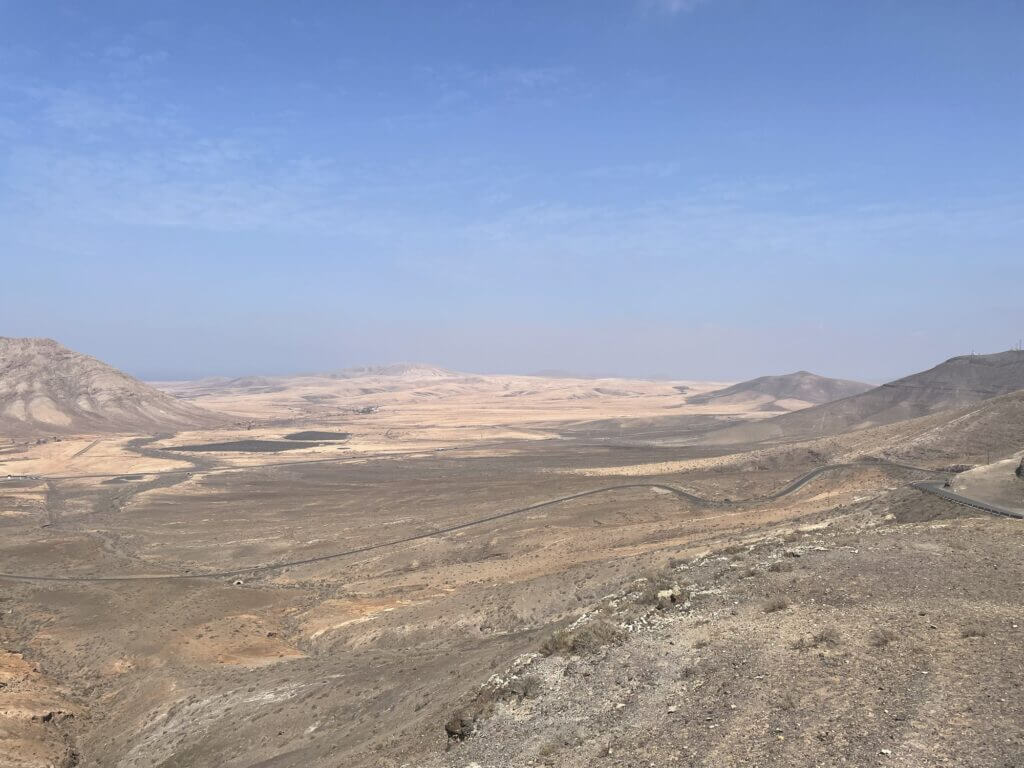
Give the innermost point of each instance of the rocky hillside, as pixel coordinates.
(957, 382)
(48, 389)
(802, 385)
(873, 641)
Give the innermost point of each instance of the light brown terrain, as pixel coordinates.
(332, 574)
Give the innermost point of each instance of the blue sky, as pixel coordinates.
(696, 188)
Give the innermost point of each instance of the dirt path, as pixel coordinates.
(88, 448)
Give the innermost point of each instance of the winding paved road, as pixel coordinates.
(936, 489)
(253, 570)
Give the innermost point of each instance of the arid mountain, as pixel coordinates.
(973, 434)
(402, 370)
(957, 382)
(47, 389)
(802, 385)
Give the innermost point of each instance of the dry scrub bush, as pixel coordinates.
(882, 637)
(548, 749)
(828, 636)
(788, 701)
(655, 583)
(528, 687)
(584, 640)
(973, 629)
(776, 603)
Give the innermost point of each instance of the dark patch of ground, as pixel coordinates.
(246, 446)
(316, 435)
(123, 479)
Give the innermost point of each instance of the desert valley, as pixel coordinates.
(411, 566)
(632, 384)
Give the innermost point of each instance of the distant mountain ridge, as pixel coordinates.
(802, 385)
(957, 382)
(403, 370)
(48, 389)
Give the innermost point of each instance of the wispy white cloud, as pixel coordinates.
(464, 86)
(672, 7)
(648, 170)
(108, 162)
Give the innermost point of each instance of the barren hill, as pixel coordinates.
(46, 388)
(802, 385)
(957, 382)
(396, 370)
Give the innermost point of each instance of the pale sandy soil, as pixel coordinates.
(85, 455)
(465, 399)
(411, 414)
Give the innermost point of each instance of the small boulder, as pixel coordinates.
(666, 597)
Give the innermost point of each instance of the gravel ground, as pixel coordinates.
(869, 641)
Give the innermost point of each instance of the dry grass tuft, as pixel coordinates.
(882, 637)
(584, 640)
(828, 636)
(788, 701)
(972, 630)
(775, 604)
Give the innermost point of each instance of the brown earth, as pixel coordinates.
(330, 606)
(867, 642)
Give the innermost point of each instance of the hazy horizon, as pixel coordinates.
(583, 374)
(328, 369)
(704, 189)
